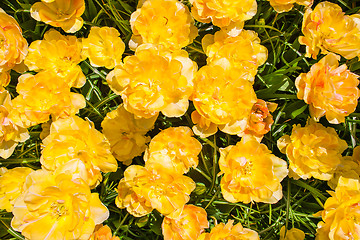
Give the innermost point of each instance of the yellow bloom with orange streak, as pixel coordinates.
(11, 131)
(74, 145)
(341, 214)
(144, 189)
(60, 54)
(329, 89)
(13, 46)
(154, 80)
(11, 185)
(57, 207)
(292, 234)
(251, 173)
(126, 133)
(313, 151)
(165, 22)
(242, 49)
(60, 13)
(190, 223)
(103, 233)
(230, 231)
(223, 13)
(223, 96)
(328, 29)
(42, 95)
(174, 149)
(286, 5)
(260, 119)
(103, 47)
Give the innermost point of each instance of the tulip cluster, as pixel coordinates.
(158, 77)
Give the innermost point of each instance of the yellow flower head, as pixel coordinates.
(174, 149)
(229, 231)
(165, 22)
(292, 234)
(154, 80)
(223, 13)
(187, 226)
(43, 94)
(57, 207)
(223, 96)
(313, 151)
(203, 127)
(13, 46)
(251, 173)
(260, 119)
(243, 50)
(326, 28)
(126, 133)
(144, 189)
(11, 185)
(74, 145)
(11, 131)
(341, 212)
(286, 5)
(103, 233)
(60, 13)
(329, 90)
(104, 47)
(60, 54)
(349, 167)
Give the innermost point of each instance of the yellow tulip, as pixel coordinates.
(165, 22)
(251, 173)
(313, 151)
(74, 145)
(57, 207)
(60, 13)
(329, 89)
(174, 149)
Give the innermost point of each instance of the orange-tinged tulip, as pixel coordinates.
(103, 233)
(11, 185)
(60, 54)
(313, 151)
(187, 226)
(45, 94)
(229, 231)
(260, 119)
(57, 207)
(126, 133)
(286, 5)
(223, 13)
(104, 47)
(223, 96)
(341, 212)
(154, 80)
(11, 131)
(329, 89)
(251, 173)
(60, 13)
(165, 22)
(75, 146)
(144, 189)
(242, 49)
(13, 46)
(174, 149)
(328, 29)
